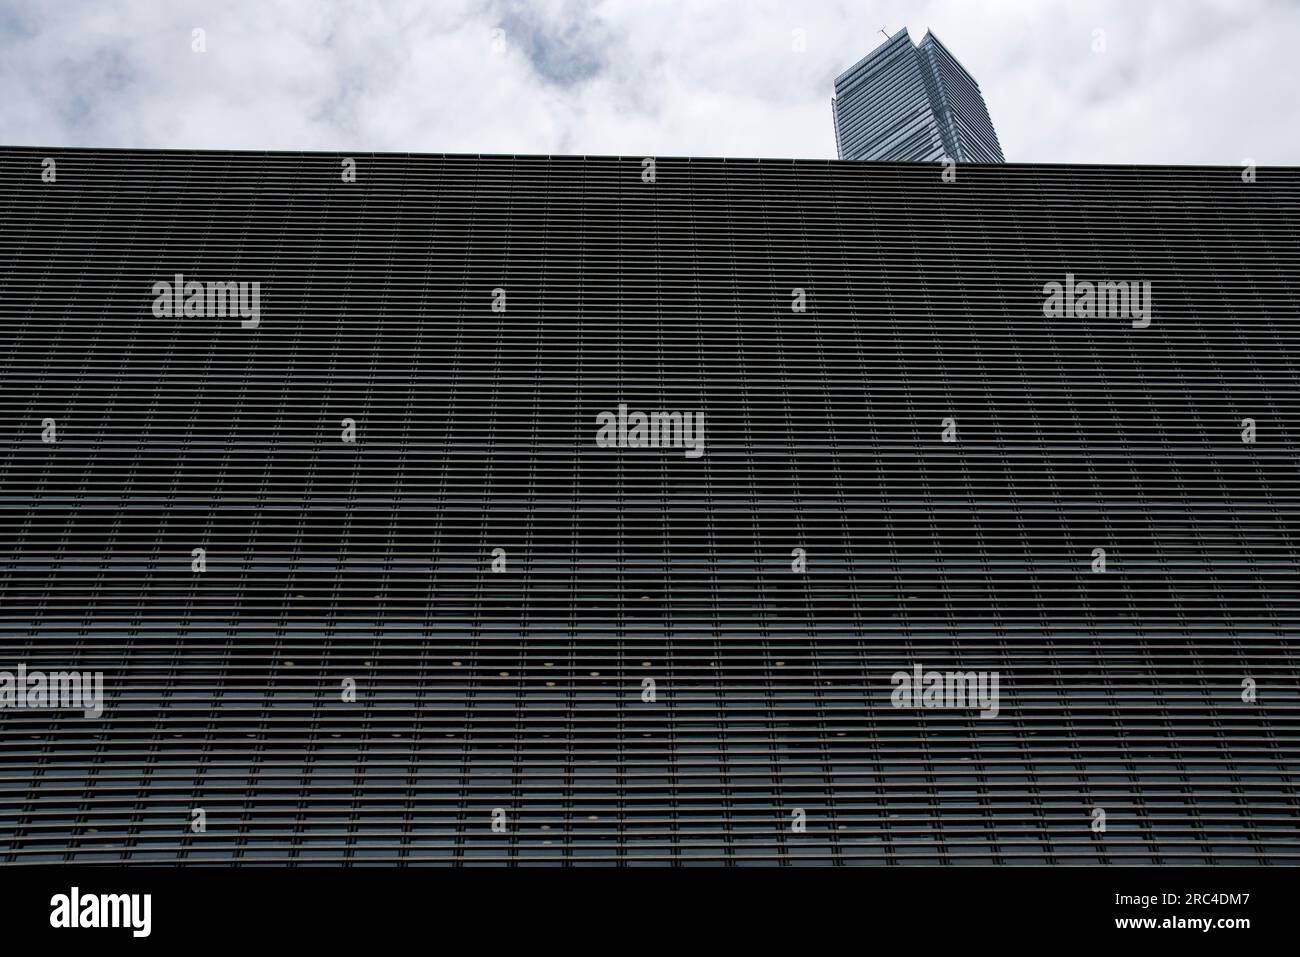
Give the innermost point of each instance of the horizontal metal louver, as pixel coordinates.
(521, 690)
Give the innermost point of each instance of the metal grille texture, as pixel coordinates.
(432, 644)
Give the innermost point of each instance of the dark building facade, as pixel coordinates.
(365, 582)
(914, 103)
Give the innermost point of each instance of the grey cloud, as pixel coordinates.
(565, 43)
(1182, 81)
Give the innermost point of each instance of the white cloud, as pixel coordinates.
(1181, 81)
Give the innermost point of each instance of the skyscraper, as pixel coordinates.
(917, 103)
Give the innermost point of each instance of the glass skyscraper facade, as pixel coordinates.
(912, 102)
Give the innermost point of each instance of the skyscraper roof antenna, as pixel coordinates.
(882, 30)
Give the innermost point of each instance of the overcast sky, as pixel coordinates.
(1178, 81)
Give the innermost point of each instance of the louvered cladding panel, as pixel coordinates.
(522, 690)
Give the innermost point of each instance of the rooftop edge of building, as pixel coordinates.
(8, 149)
(930, 36)
(876, 51)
